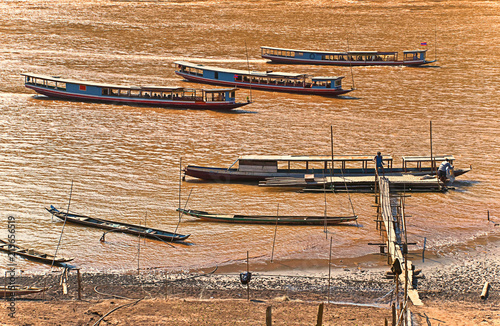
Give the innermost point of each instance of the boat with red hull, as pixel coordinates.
(266, 81)
(171, 97)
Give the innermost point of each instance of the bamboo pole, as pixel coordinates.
(330, 270)
(275, 230)
(331, 145)
(248, 283)
(138, 254)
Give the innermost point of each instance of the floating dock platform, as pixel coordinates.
(400, 182)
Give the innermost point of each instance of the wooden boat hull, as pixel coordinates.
(412, 58)
(32, 254)
(138, 101)
(12, 291)
(133, 229)
(222, 175)
(412, 63)
(272, 88)
(267, 219)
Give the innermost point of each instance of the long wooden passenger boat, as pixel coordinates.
(255, 168)
(268, 219)
(267, 80)
(173, 97)
(15, 290)
(118, 226)
(351, 58)
(32, 254)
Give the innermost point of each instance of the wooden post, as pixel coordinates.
(79, 284)
(320, 315)
(138, 254)
(488, 214)
(166, 287)
(396, 275)
(248, 283)
(433, 162)
(269, 316)
(330, 270)
(484, 293)
(275, 230)
(5, 284)
(331, 138)
(393, 314)
(423, 249)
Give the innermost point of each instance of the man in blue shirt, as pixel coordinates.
(379, 163)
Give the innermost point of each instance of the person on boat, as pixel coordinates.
(379, 163)
(444, 170)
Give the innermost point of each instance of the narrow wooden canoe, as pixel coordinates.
(118, 226)
(15, 290)
(32, 254)
(268, 219)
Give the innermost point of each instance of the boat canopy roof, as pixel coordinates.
(219, 90)
(325, 78)
(293, 158)
(270, 74)
(414, 51)
(139, 88)
(239, 71)
(74, 81)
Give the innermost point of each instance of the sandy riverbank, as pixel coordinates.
(450, 292)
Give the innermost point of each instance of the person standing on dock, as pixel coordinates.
(444, 169)
(379, 163)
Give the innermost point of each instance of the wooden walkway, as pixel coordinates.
(394, 226)
(408, 182)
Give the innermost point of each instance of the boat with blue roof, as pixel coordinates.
(157, 96)
(299, 83)
(410, 58)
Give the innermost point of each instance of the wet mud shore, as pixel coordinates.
(451, 294)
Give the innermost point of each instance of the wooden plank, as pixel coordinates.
(393, 240)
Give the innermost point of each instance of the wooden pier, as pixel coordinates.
(391, 221)
(407, 182)
(394, 224)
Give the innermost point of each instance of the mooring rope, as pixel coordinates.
(111, 311)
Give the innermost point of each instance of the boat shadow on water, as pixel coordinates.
(425, 66)
(463, 185)
(142, 106)
(346, 97)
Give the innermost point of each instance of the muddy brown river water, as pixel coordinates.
(124, 160)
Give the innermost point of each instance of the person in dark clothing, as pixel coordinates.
(379, 163)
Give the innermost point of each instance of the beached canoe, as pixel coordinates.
(268, 219)
(118, 226)
(15, 290)
(32, 254)
(172, 97)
